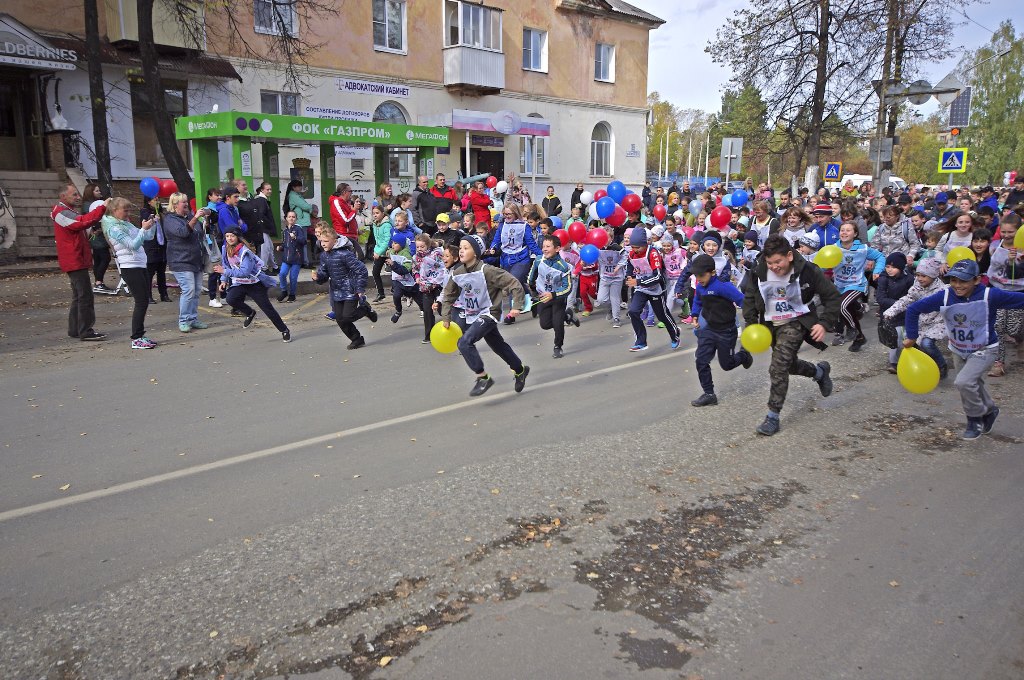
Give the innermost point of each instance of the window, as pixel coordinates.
(604, 63)
(276, 17)
(284, 103)
(601, 151)
(472, 25)
(390, 112)
(389, 25)
(147, 148)
(535, 50)
(526, 154)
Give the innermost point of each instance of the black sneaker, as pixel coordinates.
(481, 385)
(838, 339)
(989, 419)
(165, 298)
(825, 384)
(857, 343)
(248, 319)
(746, 358)
(379, 298)
(521, 378)
(395, 317)
(370, 314)
(706, 399)
(286, 336)
(282, 296)
(573, 318)
(93, 336)
(509, 320)
(291, 298)
(235, 312)
(557, 354)
(769, 427)
(357, 343)
(973, 429)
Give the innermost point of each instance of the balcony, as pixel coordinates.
(473, 70)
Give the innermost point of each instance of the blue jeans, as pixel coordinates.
(190, 285)
(927, 346)
(520, 270)
(290, 274)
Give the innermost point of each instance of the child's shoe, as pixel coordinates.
(998, 370)
(892, 368)
(973, 429)
(282, 296)
(688, 320)
(825, 381)
(769, 427)
(838, 339)
(857, 343)
(395, 317)
(557, 354)
(521, 378)
(706, 399)
(746, 358)
(989, 419)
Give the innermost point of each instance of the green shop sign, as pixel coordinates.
(273, 128)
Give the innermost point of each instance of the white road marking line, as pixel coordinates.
(302, 443)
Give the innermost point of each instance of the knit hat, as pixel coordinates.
(658, 231)
(810, 239)
(929, 267)
(751, 236)
(234, 230)
(443, 217)
(965, 270)
(702, 264)
(823, 209)
(896, 259)
(667, 240)
(904, 199)
(476, 242)
(400, 238)
(941, 197)
(638, 238)
(697, 236)
(712, 236)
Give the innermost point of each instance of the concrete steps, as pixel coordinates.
(32, 196)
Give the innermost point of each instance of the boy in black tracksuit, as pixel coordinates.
(714, 317)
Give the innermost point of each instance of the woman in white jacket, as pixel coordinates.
(126, 239)
(932, 327)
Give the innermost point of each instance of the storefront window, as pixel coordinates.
(147, 148)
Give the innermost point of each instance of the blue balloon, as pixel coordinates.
(617, 191)
(695, 207)
(557, 222)
(727, 200)
(605, 207)
(740, 198)
(149, 187)
(589, 253)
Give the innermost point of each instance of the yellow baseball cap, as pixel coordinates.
(443, 217)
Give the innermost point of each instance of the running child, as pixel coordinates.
(587, 275)
(852, 282)
(931, 328)
(479, 289)
(429, 267)
(645, 274)
(340, 265)
(403, 277)
(893, 284)
(714, 318)
(549, 279)
(778, 293)
(969, 310)
(611, 262)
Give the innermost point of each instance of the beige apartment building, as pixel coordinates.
(552, 90)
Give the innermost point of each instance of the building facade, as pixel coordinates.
(553, 91)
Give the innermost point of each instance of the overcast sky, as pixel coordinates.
(684, 74)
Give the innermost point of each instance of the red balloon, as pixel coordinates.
(659, 212)
(632, 203)
(617, 218)
(192, 204)
(167, 187)
(597, 238)
(720, 217)
(577, 232)
(599, 194)
(562, 235)
(491, 182)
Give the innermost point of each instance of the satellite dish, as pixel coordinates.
(919, 92)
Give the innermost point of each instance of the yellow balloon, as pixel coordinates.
(828, 257)
(756, 338)
(1018, 240)
(918, 372)
(445, 340)
(959, 253)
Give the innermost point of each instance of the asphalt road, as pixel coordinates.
(241, 507)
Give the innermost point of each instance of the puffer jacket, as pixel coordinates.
(73, 249)
(127, 240)
(343, 268)
(902, 237)
(930, 325)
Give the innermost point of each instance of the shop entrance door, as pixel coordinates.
(21, 125)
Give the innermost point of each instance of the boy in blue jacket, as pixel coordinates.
(968, 308)
(551, 280)
(714, 316)
(347, 274)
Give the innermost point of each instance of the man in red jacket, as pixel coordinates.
(74, 255)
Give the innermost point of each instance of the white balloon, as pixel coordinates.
(501, 187)
(592, 211)
(707, 223)
(586, 198)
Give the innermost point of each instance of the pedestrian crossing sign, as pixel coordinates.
(953, 160)
(833, 171)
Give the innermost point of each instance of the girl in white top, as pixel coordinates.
(126, 240)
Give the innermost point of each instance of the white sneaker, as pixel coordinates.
(623, 305)
(216, 303)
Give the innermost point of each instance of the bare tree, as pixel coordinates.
(100, 147)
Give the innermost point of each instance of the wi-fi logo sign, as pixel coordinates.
(357, 174)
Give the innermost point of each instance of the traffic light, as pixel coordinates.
(955, 132)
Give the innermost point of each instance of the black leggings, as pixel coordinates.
(399, 291)
(427, 299)
(137, 278)
(160, 269)
(100, 263)
(552, 315)
(258, 292)
(851, 311)
(378, 281)
(213, 284)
